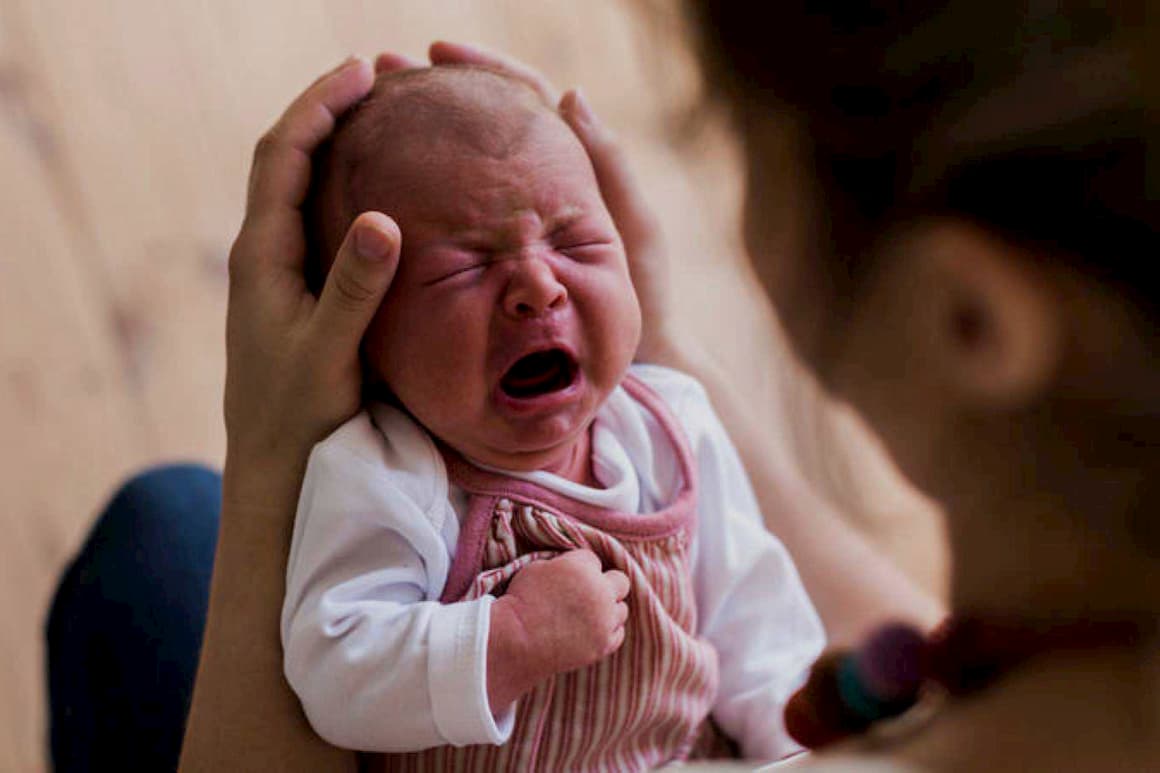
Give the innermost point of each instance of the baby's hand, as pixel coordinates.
(571, 611)
(556, 616)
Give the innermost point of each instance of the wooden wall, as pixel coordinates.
(125, 133)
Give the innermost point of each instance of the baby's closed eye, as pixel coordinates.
(447, 265)
(581, 244)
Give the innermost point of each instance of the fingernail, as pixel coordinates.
(371, 243)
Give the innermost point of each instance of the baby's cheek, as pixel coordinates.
(614, 320)
(448, 341)
(396, 340)
(376, 347)
(607, 289)
(621, 308)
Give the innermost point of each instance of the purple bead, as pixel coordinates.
(891, 663)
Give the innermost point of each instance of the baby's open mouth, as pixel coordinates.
(539, 373)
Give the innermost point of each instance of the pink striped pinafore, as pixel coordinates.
(644, 705)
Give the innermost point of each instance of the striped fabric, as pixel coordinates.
(643, 706)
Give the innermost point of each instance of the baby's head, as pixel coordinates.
(512, 316)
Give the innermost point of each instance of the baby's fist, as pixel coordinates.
(560, 615)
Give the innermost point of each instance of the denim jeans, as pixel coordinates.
(125, 627)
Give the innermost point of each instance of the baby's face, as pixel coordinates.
(512, 315)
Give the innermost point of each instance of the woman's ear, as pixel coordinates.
(990, 318)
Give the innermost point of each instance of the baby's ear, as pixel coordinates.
(990, 317)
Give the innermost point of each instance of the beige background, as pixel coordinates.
(125, 132)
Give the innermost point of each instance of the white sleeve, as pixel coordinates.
(751, 602)
(378, 663)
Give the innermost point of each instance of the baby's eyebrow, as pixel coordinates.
(563, 218)
(484, 238)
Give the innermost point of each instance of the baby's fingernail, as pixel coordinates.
(371, 243)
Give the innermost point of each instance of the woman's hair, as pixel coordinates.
(1038, 120)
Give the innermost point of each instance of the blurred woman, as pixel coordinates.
(981, 215)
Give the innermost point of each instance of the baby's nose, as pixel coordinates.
(534, 290)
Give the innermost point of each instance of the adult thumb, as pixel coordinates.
(358, 280)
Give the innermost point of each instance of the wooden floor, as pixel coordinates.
(125, 132)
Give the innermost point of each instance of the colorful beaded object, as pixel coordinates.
(850, 690)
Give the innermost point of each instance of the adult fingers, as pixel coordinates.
(341, 65)
(635, 220)
(280, 174)
(618, 583)
(389, 61)
(357, 282)
(443, 52)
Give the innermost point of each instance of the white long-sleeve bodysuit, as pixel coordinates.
(380, 664)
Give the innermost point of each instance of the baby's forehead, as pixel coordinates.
(383, 154)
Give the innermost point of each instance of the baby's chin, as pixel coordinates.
(556, 452)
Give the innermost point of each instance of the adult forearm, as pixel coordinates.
(292, 377)
(244, 716)
(853, 586)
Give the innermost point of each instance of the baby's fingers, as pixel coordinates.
(582, 558)
(617, 640)
(620, 615)
(618, 583)
(355, 287)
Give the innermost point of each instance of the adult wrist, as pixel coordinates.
(256, 478)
